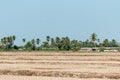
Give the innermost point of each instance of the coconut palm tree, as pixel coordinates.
(38, 41)
(24, 40)
(4, 41)
(75, 45)
(113, 43)
(106, 43)
(48, 40)
(52, 43)
(93, 38)
(57, 42)
(14, 38)
(33, 44)
(33, 41)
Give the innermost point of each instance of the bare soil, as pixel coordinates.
(59, 66)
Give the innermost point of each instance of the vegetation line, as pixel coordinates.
(57, 44)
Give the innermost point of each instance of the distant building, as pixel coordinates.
(106, 49)
(89, 49)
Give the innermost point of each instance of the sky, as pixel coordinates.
(77, 19)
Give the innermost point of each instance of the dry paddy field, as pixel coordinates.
(59, 66)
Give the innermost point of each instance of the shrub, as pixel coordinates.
(101, 49)
(118, 49)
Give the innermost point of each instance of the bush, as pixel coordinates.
(101, 49)
(75, 49)
(15, 47)
(118, 49)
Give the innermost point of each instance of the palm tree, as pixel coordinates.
(4, 41)
(113, 43)
(9, 43)
(57, 42)
(33, 41)
(75, 45)
(52, 43)
(45, 45)
(33, 44)
(48, 40)
(93, 38)
(38, 41)
(106, 43)
(13, 38)
(24, 40)
(8, 39)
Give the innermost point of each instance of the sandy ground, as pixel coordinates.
(59, 66)
(8, 77)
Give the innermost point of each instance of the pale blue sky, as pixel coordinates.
(74, 18)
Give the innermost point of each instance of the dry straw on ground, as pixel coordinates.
(59, 66)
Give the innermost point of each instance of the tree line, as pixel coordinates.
(57, 43)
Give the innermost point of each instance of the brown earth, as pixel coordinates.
(59, 66)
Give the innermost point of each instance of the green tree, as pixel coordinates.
(75, 45)
(93, 38)
(4, 42)
(106, 43)
(113, 43)
(65, 44)
(48, 40)
(14, 38)
(45, 45)
(24, 40)
(33, 41)
(38, 42)
(53, 43)
(33, 44)
(10, 42)
(58, 43)
(28, 45)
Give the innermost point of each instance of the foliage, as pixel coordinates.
(56, 44)
(118, 48)
(101, 49)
